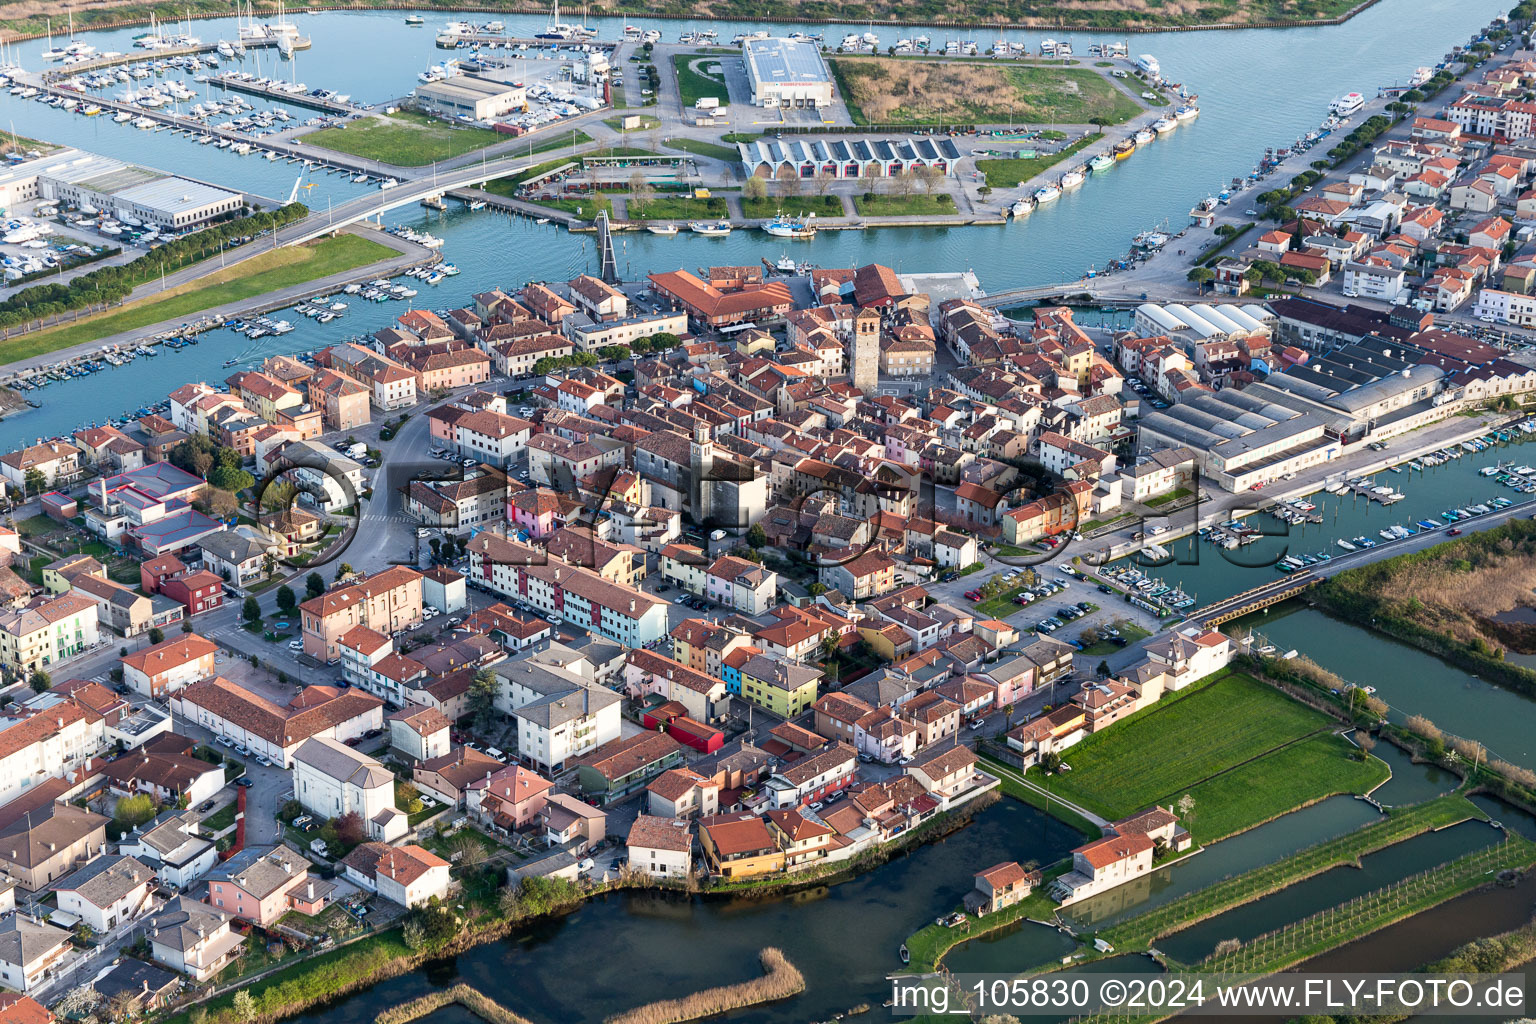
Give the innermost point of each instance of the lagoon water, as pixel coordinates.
(1257, 88)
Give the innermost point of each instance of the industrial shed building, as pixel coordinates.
(881, 158)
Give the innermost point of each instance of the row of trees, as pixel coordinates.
(113, 284)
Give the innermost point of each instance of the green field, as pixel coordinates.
(665, 207)
(405, 139)
(821, 206)
(692, 84)
(919, 204)
(585, 207)
(885, 90)
(698, 148)
(281, 268)
(1227, 743)
(1007, 173)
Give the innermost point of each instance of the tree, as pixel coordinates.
(134, 810)
(230, 478)
(437, 549)
(244, 1005)
(465, 850)
(640, 190)
(482, 698)
(220, 504)
(1050, 762)
(791, 185)
(40, 680)
(33, 482)
(754, 188)
(250, 610)
(287, 600)
(1186, 808)
(1366, 743)
(757, 536)
(823, 181)
(829, 645)
(156, 635)
(1201, 276)
(869, 178)
(407, 797)
(906, 182)
(279, 496)
(1103, 669)
(314, 585)
(931, 177)
(345, 569)
(411, 933)
(350, 828)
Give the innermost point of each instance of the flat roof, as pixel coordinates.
(469, 87)
(785, 60)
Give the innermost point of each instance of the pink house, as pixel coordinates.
(512, 798)
(262, 883)
(534, 510)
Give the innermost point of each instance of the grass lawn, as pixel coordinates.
(743, 136)
(693, 84)
(1094, 524)
(256, 276)
(698, 148)
(404, 138)
(886, 90)
(1001, 606)
(557, 140)
(1163, 499)
(1301, 773)
(922, 205)
(1128, 632)
(1007, 173)
(219, 819)
(1223, 742)
(646, 123)
(768, 206)
(664, 207)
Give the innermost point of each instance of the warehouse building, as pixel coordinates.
(477, 98)
(132, 194)
(787, 73)
(847, 158)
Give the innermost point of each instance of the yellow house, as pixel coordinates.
(784, 687)
(753, 342)
(739, 845)
(57, 575)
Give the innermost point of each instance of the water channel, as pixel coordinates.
(1409, 680)
(375, 55)
(628, 948)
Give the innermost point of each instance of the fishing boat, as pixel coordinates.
(1188, 112)
(791, 227)
(1145, 136)
(662, 229)
(414, 19)
(1022, 207)
(1072, 179)
(1102, 163)
(1124, 148)
(711, 228)
(1047, 194)
(1163, 125)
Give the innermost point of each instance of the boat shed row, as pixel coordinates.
(1209, 323)
(881, 158)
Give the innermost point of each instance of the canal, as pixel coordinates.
(1328, 889)
(628, 948)
(375, 55)
(1409, 680)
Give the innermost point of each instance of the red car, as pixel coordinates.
(973, 595)
(1453, 532)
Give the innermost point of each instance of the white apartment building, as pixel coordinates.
(331, 779)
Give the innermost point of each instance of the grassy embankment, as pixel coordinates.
(1444, 599)
(1008, 172)
(1245, 752)
(768, 206)
(280, 268)
(920, 205)
(404, 138)
(885, 90)
(709, 149)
